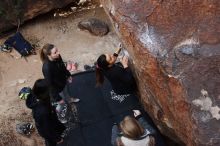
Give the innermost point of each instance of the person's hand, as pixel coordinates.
(118, 51)
(60, 141)
(136, 113)
(70, 79)
(124, 61)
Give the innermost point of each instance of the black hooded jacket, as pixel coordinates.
(56, 75)
(121, 79)
(46, 121)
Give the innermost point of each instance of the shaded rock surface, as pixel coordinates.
(175, 47)
(94, 26)
(11, 11)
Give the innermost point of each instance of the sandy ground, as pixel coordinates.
(15, 72)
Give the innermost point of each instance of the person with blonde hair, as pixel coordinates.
(133, 134)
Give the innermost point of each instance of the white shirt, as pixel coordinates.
(142, 142)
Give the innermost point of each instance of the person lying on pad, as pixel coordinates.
(46, 121)
(133, 134)
(57, 76)
(123, 97)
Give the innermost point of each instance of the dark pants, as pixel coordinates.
(65, 94)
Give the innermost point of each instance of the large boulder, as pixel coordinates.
(175, 50)
(94, 26)
(13, 11)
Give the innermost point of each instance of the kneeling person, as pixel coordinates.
(133, 134)
(46, 121)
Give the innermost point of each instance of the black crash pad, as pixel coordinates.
(94, 128)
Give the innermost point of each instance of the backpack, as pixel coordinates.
(21, 45)
(24, 93)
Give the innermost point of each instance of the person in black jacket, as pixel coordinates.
(122, 100)
(57, 76)
(119, 74)
(54, 70)
(123, 96)
(46, 121)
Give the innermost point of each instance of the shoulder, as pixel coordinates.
(46, 66)
(116, 68)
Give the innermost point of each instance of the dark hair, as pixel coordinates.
(102, 65)
(46, 50)
(41, 90)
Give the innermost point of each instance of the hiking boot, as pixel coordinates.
(5, 48)
(24, 128)
(62, 120)
(64, 133)
(29, 126)
(87, 67)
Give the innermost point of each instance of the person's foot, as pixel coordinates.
(62, 120)
(74, 67)
(87, 67)
(64, 133)
(61, 110)
(75, 100)
(68, 66)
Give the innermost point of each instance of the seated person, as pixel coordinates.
(46, 121)
(133, 134)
